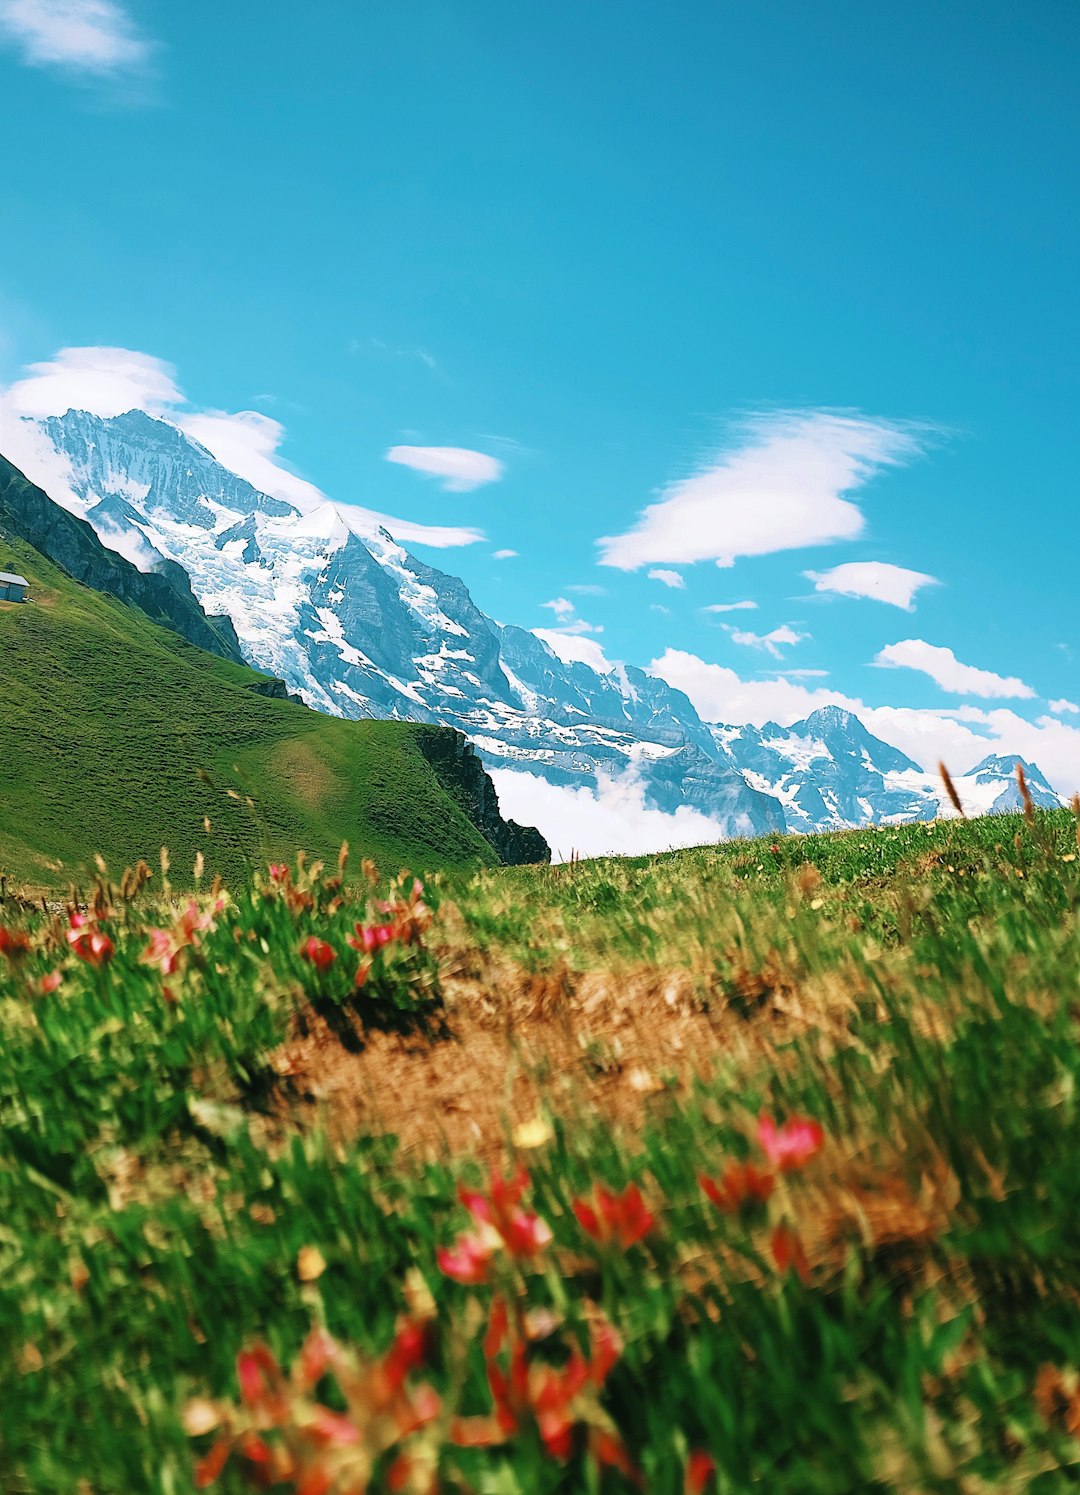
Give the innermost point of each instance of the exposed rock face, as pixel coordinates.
(462, 775)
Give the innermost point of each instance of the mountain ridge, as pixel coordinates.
(359, 627)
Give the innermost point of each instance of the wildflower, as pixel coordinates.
(522, 1233)
(318, 952)
(790, 1146)
(555, 1401)
(167, 947)
(50, 982)
(88, 942)
(699, 1467)
(279, 872)
(504, 1225)
(372, 937)
(788, 1252)
(292, 1439)
(468, 1260)
(739, 1183)
(619, 1218)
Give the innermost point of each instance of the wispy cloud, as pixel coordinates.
(730, 607)
(875, 579)
(89, 38)
(946, 670)
(566, 617)
(504, 555)
(459, 468)
(1063, 707)
(669, 578)
(780, 488)
(770, 642)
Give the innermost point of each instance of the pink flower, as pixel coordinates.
(371, 937)
(621, 1218)
(279, 872)
(50, 982)
(468, 1260)
(318, 952)
(740, 1182)
(162, 951)
(792, 1145)
(90, 943)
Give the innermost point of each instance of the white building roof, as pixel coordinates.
(7, 577)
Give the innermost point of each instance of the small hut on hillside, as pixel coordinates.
(12, 587)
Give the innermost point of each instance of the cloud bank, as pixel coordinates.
(612, 819)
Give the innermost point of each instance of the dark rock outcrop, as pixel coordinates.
(165, 596)
(461, 773)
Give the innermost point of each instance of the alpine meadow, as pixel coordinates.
(539, 748)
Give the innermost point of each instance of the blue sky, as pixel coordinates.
(755, 263)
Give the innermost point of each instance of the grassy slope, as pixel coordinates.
(106, 719)
(913, 989)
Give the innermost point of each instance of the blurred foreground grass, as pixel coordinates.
(901, 1312)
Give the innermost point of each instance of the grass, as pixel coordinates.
(117, 736)
(901, 1313)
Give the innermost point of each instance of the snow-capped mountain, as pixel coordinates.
(357, 626)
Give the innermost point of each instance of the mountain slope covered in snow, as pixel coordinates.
(357, 626)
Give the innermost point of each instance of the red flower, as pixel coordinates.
(318, 952)
(279, 872)
(88, 942)
(788, 1252)
(699, 1467)
(620, 1218)
(789, 1146)
(739, 1182)
(554, 1400)
(50, 982)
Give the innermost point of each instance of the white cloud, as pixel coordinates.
(562, 607)
(89, 37)
(959, 736)
(876, 579)
(102, 381)
(505, 555)
(1062, 707)
(669, 578)
(110, 381)
(945, 669)
(780, 490)
(721, 695)
(459, 468)
(771, 642)
(565, 615)
(588, 589)
(730, 607)
(613, 818)
(572, 648)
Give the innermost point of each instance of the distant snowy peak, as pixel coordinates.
(993, 786)
(357, 626)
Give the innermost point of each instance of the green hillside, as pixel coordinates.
(108, 721)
